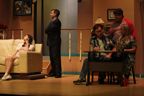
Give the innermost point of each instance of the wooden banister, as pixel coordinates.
(70, 29)
(76, 29)
(12, 30)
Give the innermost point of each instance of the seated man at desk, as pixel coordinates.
(98, 42)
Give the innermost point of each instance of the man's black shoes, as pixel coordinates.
(58, 76)
(51, 75)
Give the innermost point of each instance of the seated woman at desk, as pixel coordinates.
(26, 46)
(126, 43)
(98, 42)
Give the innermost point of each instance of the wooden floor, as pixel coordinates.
(51, 86)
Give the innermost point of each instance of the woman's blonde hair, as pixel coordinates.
(127, 30)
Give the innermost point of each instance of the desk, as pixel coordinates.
(105, 66)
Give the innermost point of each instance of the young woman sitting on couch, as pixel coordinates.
(26, 46)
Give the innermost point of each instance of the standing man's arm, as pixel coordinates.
(53, 27)
(46, 30)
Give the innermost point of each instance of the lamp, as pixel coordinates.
(99, 21)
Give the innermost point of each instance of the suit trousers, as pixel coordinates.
(55, 57)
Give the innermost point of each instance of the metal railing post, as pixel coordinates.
(12, 34)
(69, 44)
(3, 34)
(21, 33)
(80, 44)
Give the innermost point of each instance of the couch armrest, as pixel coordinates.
(30, 62)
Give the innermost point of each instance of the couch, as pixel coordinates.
(29, 62)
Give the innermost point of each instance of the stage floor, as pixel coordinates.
(51, 86)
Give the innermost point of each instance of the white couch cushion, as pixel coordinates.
(16, 43)
(2, 60)
(6, 47)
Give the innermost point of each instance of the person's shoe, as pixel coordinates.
(80, 81)
(101, 81)
(118, 81)
(51, 75)
(58, 76)
(6, 77)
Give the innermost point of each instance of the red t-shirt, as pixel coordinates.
(130, 24)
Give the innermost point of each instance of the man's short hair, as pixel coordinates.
(119, 12)
(96, 26)
(56, 11)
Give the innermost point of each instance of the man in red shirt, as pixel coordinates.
(116, 25)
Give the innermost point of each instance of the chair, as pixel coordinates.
(103, 66)
(132, 69)
(29, 65)
(112, 76)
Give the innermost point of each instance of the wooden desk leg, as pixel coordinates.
(122, 83)
(121, 74)
(92, 74)
(88, 79)
(108, 77)
(88, 70)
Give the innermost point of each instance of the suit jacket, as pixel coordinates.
(54, 31)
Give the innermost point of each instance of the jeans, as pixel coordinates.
(84, 69)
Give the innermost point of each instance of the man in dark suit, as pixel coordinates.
(54, 42)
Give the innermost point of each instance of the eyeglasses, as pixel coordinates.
(99, 31)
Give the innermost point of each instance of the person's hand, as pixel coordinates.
(114, 50)
(125, 50)
(108, 56)
(96, 49)
(27, 42)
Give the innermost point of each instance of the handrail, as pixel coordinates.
(80, 39)
(10, 29)
(21, 30)
(76, 29)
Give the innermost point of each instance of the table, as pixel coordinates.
(105, 66)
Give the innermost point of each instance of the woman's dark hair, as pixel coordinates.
(56, 11)
(30, 38)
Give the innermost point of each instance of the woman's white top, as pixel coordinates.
(20, 48)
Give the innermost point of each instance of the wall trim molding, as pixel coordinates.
(70, 73)
(139, 75)
(78, 73)
(66, 54)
